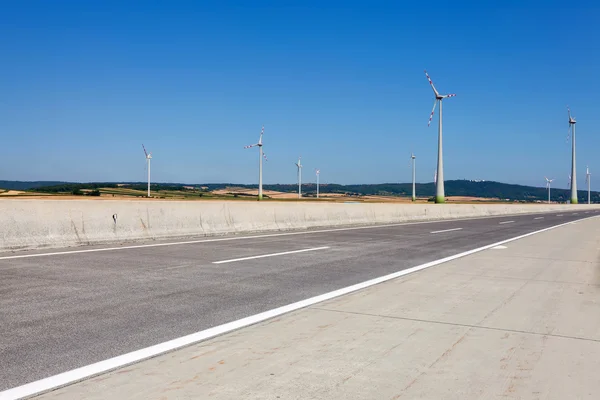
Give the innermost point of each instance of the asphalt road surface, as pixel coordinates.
(63, 311)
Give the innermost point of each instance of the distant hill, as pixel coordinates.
(23, 185)
(483, 189)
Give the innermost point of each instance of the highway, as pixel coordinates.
(67, 308)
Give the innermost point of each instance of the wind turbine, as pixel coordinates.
(414, 194)
(548, 181)
(587, 180)
(299, 165)
(261, 155)
(439, 186)
(148, 158)
(318, 172)
(572, 123)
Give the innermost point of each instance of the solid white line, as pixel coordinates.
(226, 239)
(506, 222)
(447, 230)
(270, 255)
(538, 217)
(78, 374)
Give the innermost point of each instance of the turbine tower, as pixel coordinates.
(148, 158)
(299, 165)
(414, 194)
(587, 180)
(261, 155)
(439, 186)
(318, 172)
(573, 166)
(548, 181)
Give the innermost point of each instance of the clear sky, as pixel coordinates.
(84, 83)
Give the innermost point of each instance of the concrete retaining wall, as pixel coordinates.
(33, 223)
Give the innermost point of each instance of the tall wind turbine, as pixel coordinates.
(261, 155)
(548, 181)
(148, 158)
(414, 194)
(299, 165)
(573, 166)
(439, 186)
(318, 172)
(587, 180)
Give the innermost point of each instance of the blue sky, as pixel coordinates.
(341, 83)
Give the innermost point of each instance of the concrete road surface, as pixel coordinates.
(518, 322)
(63, 311)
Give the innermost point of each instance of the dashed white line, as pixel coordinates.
(447, 230)
(575, 213)
(538, 217)
(271, 255)
(506, 222)
(559, 215)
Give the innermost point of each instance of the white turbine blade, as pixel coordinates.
(261, 135)
(449, 95)
(431, 83)
(252, 145)
(432, 111)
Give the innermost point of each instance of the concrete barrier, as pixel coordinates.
(33, 223)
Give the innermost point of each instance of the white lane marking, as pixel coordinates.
(506, 222)
(78, 374)
(177, 267)
(447, 230)
(271, 255)
(559, 215)
(575, 213)
(539, 218)
(499, 247)
(226, 239)
(587, 212)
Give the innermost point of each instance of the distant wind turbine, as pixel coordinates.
(261, 155)
(587, 180)
(548, 181)
(299, 165)
(572, 123)
(318, 172)
(148, 158)
(414, 194)
(439, 186)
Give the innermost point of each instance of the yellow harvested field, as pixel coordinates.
(11, 193)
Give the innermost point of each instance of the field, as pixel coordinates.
(229, 193)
